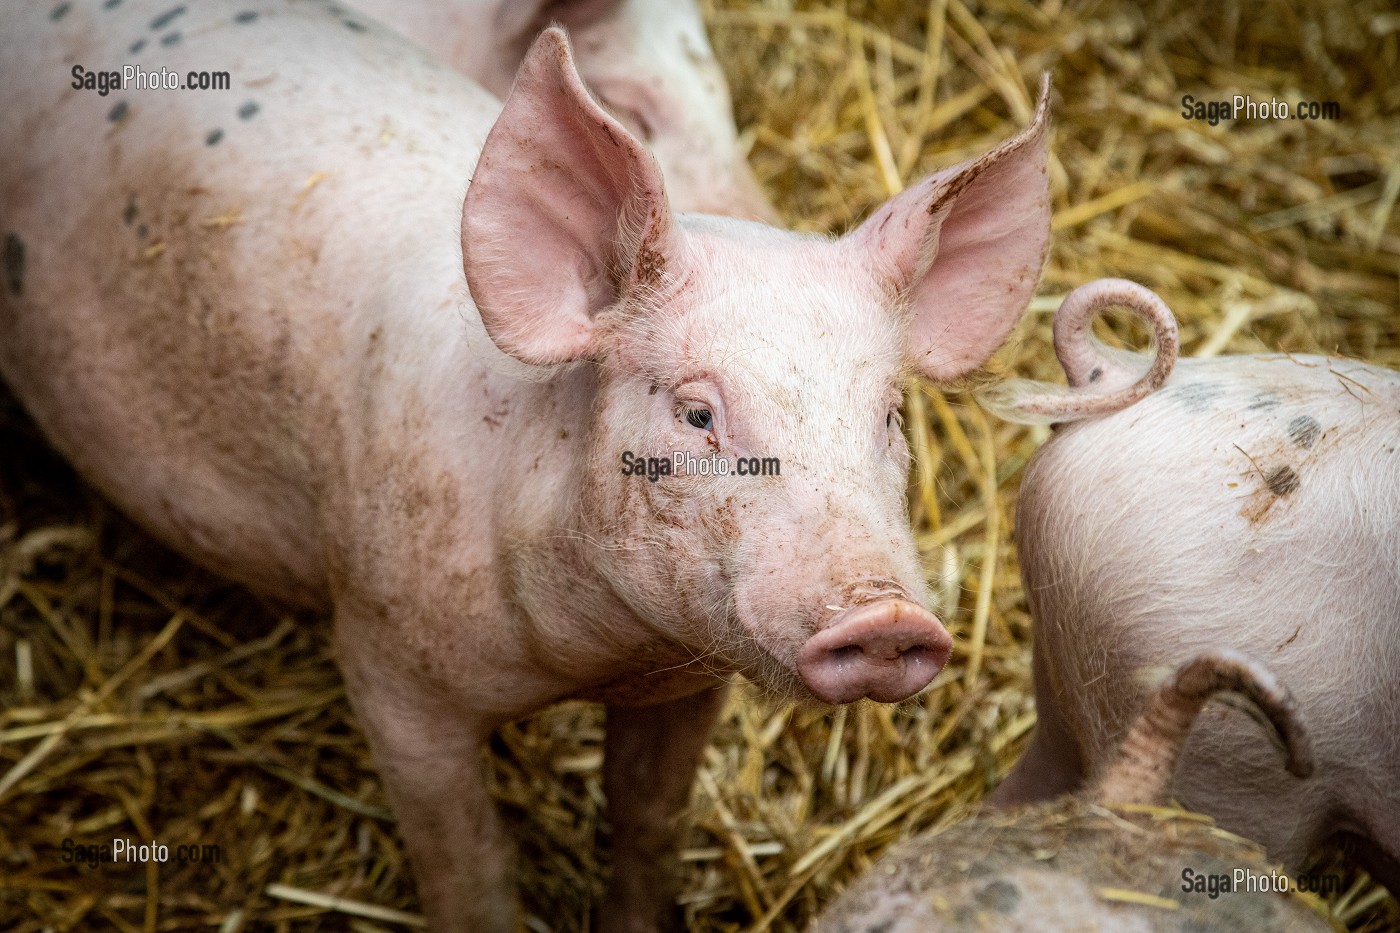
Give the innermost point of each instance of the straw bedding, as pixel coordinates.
(141, 698)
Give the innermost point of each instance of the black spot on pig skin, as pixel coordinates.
(247, 16)
(357, 27)
(137, 46)
(171, 39)
(247, 111)
(1304, 431)
(142, 230)
(979, 869)
(111, 4)
(1263, 402)
(213, 138)
(60, 11)
(118, 111)
(1282, 480)
(166, 18)
(1197, 396)
(129, 215)
(1097, 374)
(1000, 896)
(14, 263)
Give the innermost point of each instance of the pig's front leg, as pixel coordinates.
(429, 756)
(649, 763)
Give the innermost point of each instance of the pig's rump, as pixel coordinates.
(1250, 504)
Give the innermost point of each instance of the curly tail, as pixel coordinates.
(1148, 756)
(1101, 379)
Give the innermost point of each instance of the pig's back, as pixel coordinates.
(196, 281)
(1254, 503)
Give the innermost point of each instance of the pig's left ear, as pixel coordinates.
(566, 213)
(964, 248)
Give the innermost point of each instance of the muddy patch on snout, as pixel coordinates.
(869, 591)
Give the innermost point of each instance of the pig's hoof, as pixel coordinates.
(886, 651)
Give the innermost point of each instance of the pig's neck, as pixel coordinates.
(584, 637)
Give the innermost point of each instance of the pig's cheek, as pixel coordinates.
(647, 506)
(716, 513)
(698, 514)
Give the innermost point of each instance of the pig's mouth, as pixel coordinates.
(885, 650)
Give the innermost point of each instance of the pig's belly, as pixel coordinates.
(197, 458)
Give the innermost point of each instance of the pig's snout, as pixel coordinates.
(886, 651)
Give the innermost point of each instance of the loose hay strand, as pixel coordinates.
(1141, 898)
(345, 905)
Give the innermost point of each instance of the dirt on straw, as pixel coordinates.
(143, 698)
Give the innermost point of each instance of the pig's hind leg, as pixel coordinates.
(1052, 764)
(650, 758)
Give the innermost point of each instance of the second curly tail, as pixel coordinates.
(1150, 752)
(1101, 379)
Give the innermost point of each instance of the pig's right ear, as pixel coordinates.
(963, 249)
(566, 213)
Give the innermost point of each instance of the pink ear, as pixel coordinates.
(565, 213)
(965, 247)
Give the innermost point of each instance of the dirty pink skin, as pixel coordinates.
(1251, 504)
(649, 63)
(291, 351)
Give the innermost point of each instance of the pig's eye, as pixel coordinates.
(894, 420)
(699, 418)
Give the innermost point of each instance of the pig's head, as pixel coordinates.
(651, 66)
(729, 338)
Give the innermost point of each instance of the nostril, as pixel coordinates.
(923, 654)
(847, 653)
(885, 651)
